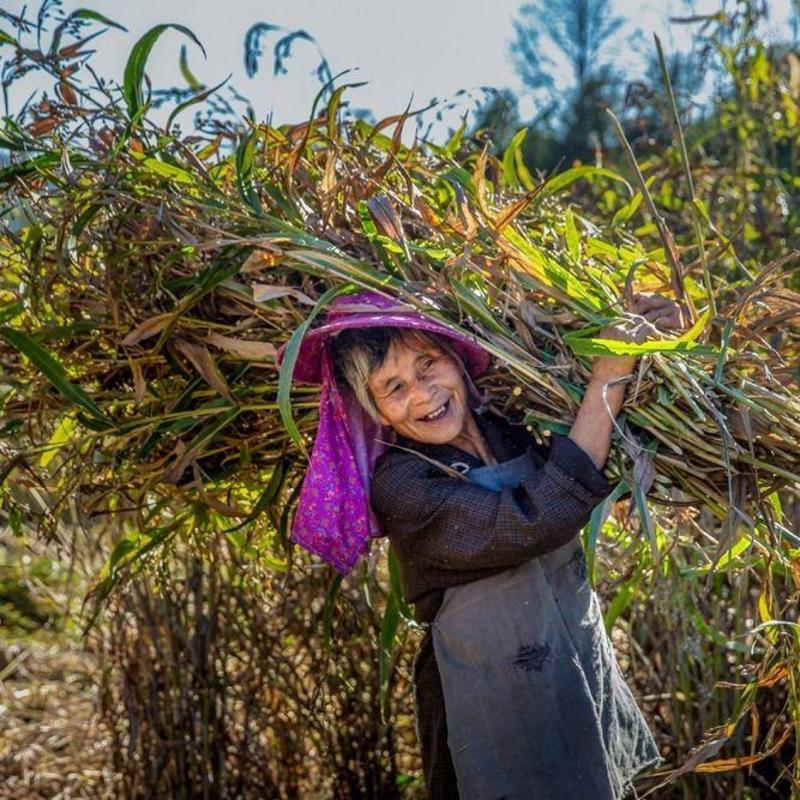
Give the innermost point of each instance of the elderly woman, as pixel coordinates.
(516, 687)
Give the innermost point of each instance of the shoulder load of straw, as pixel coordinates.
(149, 280)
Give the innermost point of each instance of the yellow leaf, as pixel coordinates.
(61, 435)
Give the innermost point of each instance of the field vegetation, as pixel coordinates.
(163, 637)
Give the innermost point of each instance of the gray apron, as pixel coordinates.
(536, 705)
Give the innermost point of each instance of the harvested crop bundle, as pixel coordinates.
(154, 290)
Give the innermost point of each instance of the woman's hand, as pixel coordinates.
(601, 403)
(648, 313)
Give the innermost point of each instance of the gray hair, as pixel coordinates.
(358, 352)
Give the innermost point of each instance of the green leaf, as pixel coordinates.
(209, 432)
(245, 158)
(718, 637)
(569, 176)
(182, 404)
(24, 168)
(188, 75)
(169, 171)
(646, 520)
(327, 611)
(587, 346)
(623, 598)
(548, 272)
(268, 496)
(85, 217)
(133, 83)
(127, 553)
(52, 369)
(599, 516)
(61, 435)
(476, 306)
(625, 212)
(728, 557)
(389, 625)
(454, 142)
(572, 236)
(396, 584)
(514, 170)
(332, 113)
(10, 311)
(193, 100)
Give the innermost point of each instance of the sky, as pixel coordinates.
(409, 50)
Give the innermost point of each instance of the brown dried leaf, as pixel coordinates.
(328, 183)
(262, 293)
(533, 315)
(777, 673)
(378, 173)
(43, 126)
(204, 363)
(428, 214)
(144, 330)
(247, 349)
(745, 426)
(728, 764)
(258, 261)
(386, 219)
(139, 384)
(512, 211)
(703, 753)
(67, 93)
(479, 181)
(172, 474)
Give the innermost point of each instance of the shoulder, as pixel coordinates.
(393, 477)
(395, 465)
(404, 480)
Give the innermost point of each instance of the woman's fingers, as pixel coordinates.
(668, 317)
(649, 313)
(657, 309)
(646, 302)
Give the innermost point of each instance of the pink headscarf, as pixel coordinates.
(333, 517)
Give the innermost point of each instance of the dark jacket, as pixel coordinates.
(446, 532)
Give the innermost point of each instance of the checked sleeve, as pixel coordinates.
(457, 525)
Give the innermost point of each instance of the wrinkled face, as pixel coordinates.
(420, 392)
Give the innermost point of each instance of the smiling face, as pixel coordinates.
(419, 391)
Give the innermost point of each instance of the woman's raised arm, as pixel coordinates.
(594, 421)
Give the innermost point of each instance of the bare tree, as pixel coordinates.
(578, 32)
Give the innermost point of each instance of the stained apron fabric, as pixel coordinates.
(536, 704)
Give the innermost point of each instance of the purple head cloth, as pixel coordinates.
(333, 517)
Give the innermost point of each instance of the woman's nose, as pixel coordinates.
(424, 390)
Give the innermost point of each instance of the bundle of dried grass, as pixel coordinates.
(149, 279)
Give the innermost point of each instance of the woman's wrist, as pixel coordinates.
(606, 369)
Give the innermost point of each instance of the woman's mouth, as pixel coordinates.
(437, 413)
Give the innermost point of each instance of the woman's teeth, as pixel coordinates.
(440, 412)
